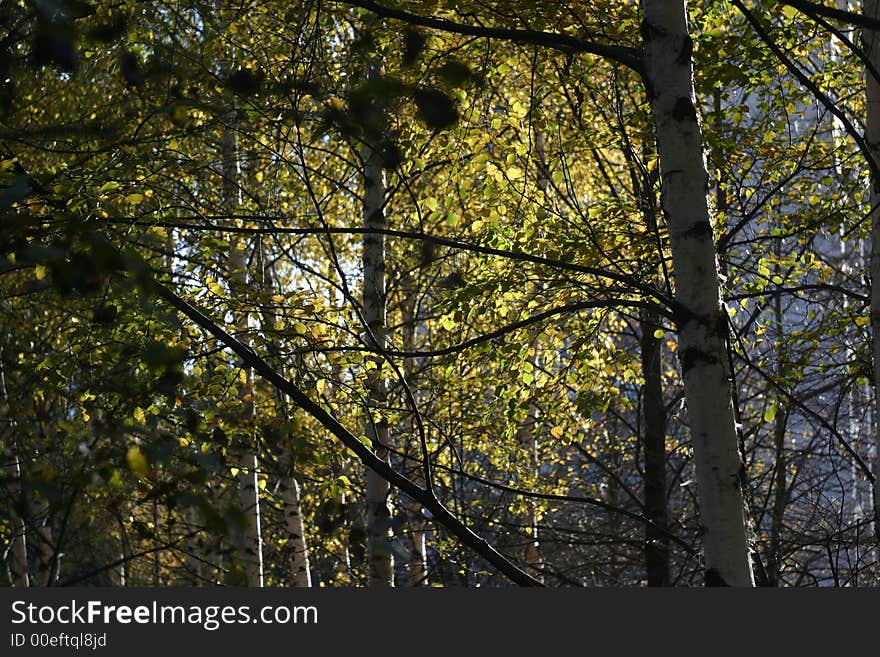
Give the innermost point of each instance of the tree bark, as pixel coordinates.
(13, 487)
(780, 474)
(302, 576)
(654, 444)
(701, 320)
(250, 556)
(380, 562)
(417, 567)
(871, 43)
(47, 546)
(19, 528)
(656, 548)
(290, 491)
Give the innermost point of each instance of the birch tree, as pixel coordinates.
(701, 321)
(250, 556)
(380, 561)
(12, 472)
(289, 486)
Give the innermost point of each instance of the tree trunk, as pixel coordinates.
(417, 567)
(194, 552)
(19, 528)
(302, 576)
(525, 434)
(250, 553)
(780, 478)
(701, 320)
(654, 444)
(871, 43)
(380, 562)
(290, 491)
(47, 547)
(656, 548)
(13, 487)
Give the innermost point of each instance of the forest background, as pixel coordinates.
(439, 293)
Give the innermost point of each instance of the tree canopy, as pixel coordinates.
(583, 290)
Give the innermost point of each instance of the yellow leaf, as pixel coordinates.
(259, 176)
(137, 462)
(863, 320)
(40, 272)
(139, 414)
(557, 432)
(134, 199)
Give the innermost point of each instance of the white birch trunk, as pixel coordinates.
(290, 491)
(13, 487)
(250, 545)
(47, 547)
(380, 561)
(19, 528)
(251, 552)
(701, 324)
(121, 573)
(293, 520)
(871, 43)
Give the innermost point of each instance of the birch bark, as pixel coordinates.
(250, 555)
(13, 487)
(380, 561)
(290, 490)
(701, 321)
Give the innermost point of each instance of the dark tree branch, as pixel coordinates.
(364, 453)
(566, 43)
(810, 8)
